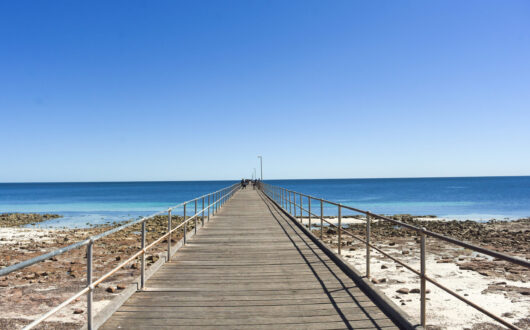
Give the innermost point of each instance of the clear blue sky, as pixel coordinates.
(174, 90)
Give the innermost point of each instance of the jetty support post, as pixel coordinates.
(90, 293)
(368, 221)
(340, 229)
(169, 234)
(142, 259)
(423, 280)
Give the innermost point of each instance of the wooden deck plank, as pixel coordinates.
(250, 267)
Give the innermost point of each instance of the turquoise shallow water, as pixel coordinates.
(477, 198)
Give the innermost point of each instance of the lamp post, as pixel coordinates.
(261, 166)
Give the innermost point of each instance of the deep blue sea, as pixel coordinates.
(475, 198)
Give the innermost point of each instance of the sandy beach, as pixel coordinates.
(34, 290)
(495, 285)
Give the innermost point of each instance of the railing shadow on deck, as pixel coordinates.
(317, 276)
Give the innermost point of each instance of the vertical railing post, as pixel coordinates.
(423, 289)
(321, 219)
(208, 208)
(142, 263)
(301, 209)
(90, 293)
(196, 216)
(309, 211)
(169, 234)
(340, 229)
(368, 221)
(185, 224)
(290, 204)
(202, 216)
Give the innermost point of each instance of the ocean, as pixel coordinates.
(462, 198)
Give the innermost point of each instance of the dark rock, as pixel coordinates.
(403, 291)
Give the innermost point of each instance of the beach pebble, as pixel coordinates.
(78, 311)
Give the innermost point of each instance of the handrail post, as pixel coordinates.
(294, 205)
(169, 235)
(309, 212)
(301, 210)
(90, 293)
(142, 263)
(340, 229)
(290, 204)
(185, 224)
(321, 219)
(202, 216)
(208, 208)
(196, 216)
(368, 221)
(423, 281)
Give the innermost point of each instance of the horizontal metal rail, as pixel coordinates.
(218, 198)
(286, 199)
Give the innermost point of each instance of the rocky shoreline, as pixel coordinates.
(36, 289)
(500, 286)
(22, 219)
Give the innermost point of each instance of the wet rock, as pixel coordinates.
(21, 219)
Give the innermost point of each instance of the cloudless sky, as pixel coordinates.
(185, 90)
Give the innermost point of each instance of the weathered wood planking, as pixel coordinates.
(250, 267)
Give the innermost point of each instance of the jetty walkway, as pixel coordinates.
(252, 266)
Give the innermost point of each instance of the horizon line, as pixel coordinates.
(372, 178)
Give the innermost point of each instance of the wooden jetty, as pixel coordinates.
(252, 266)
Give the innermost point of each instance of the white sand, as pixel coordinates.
(25, 235)
(347, 221)
(442, 309)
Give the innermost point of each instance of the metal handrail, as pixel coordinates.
(218, 197)
(282, 197)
